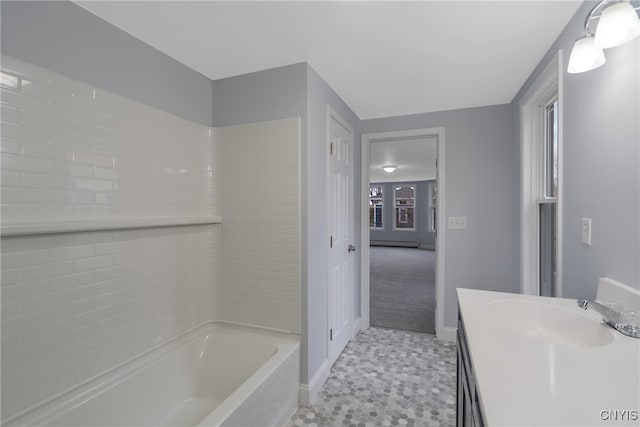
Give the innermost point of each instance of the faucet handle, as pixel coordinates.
(625, 321)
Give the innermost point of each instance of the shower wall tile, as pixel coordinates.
(76, 304)
(69, 150)
(261, 224)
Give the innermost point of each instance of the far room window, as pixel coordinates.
(433, 223)
(404, 200)
(375, 206)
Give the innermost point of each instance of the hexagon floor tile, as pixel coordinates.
(387, 377)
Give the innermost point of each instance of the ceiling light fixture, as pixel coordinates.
(610, 23)
(389, 168)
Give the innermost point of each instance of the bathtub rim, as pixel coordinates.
(286, 343)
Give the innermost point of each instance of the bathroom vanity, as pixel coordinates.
(526, 360)
(469, 410)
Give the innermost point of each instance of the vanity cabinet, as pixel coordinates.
(468, 409)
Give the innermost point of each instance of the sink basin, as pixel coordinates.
(548, 322)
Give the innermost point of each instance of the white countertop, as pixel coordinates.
(526, 380)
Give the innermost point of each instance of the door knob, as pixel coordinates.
(351, 248)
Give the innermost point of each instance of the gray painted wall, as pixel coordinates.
(277, 93)
(315, 295)
(421, 234)
(601, 164)
(269, 95)
(297, 90)
(78, 44)
(479, 185)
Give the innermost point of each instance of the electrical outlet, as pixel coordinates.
(457, 223)
(586, 231)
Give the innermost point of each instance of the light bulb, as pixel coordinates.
(389, 168)
(585, 56)
(618, 24)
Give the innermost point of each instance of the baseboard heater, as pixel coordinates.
(393, 243)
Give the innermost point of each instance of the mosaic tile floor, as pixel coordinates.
(387, 377)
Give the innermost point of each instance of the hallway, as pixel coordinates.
(402, 288)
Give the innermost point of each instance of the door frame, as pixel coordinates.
(332, 114)
(367, 140)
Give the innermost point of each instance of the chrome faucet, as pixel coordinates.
(612, 317)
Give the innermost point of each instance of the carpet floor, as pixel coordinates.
(402, 288)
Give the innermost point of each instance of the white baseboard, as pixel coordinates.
(307, 394)
(356, 328)
(426, 246)
(447, 334)
(393, 243)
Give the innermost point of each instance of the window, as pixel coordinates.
(541, 183)
(547, 211)
(433, 222)
(375, 207)
(551, 149)
(404, 200)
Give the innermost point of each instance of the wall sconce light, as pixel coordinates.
(618, 24)
(585, 56)
(609, 24)
(389, 168)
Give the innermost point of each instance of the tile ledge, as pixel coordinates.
(103, 224)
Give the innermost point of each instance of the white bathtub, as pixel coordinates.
(216, 375)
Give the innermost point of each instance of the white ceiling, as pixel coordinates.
(415, 158)
(383, 58)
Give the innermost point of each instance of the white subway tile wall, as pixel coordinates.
(75, 304)
(69, 150)
(261, 224)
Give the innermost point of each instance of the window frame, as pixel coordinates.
(546, 87)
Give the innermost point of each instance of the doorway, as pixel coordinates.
(402, 288)
(398, 226)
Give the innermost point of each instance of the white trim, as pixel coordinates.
(307, 394)
(356, 328)
(547, 84)
(560, 195)
(448, 334)
(364, 233)
(367, 139)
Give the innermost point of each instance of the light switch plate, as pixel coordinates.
(586, 231)
(457, 223)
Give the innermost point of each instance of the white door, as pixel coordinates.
(340, 239)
